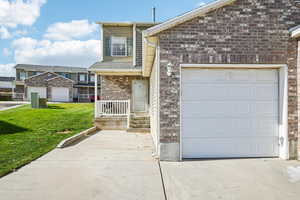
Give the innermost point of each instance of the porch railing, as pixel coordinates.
(113, 108)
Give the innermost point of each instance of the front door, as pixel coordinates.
(139, 95)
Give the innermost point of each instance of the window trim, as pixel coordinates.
(111, 46)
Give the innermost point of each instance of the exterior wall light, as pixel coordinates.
(169, 69)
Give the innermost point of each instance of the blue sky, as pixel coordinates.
(63, 32)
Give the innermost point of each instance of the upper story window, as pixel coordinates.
(92, 78)
(22, 76)
(82, 77)
(118, 46)
(66, 75)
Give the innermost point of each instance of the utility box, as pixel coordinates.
(35, 100)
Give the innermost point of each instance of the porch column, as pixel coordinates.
(96, 94)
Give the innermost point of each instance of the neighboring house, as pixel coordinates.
(7, 85)
(82, 82)
(219, 81)
(51, 86)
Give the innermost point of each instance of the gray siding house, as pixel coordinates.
(220, 81)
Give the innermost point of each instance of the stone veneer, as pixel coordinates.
(117, 87)
(245, 32)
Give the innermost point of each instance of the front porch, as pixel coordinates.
(123, 103)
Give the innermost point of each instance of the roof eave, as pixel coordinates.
(201, 11)
(149, 53)
(106, 72)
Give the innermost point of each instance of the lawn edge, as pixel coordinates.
(75, 138)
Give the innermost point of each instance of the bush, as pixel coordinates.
(43, 103)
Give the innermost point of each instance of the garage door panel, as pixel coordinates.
(229, 109)
(228, 127)
(225, 147)
(194, 76)
(266, 92)
(60, 94)
(260, 92)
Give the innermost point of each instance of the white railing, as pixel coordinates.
(113, 108)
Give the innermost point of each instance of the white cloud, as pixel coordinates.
(70, 30)
(70, 53)
(6, 52)
(7, 69)
(4, 33)
(19, 12)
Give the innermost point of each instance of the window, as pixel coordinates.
(82, 77)
(22, 76)
(118, 46)
(66, 75)
(92, 78)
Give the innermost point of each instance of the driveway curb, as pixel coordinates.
(71, 140)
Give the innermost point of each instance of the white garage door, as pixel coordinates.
(229, 113)
(42, 91)
(60, 94)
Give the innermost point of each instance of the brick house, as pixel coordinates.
(51, 86)
(82, 82)
(218, 81)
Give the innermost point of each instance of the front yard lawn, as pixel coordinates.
(26, 133)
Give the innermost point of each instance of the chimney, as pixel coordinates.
(153, 14)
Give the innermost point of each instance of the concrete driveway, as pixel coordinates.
(109, 165)
(232, 179)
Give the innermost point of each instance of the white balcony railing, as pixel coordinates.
(113, 108)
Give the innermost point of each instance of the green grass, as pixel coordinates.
(26, 133)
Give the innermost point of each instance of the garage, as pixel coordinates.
(229, 113)
(42, 92)
(60, 94)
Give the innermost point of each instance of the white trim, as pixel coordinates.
(252, 66)
(158, 98)
(134, 45)
(283, 98)
(96, 94)
(117, 71)
(40, 74)
(59, 76)
(187, 16)
(101, 42)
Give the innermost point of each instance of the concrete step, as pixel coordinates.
(140, 122)
(138, 130)
(140, 126)
(140, 118)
